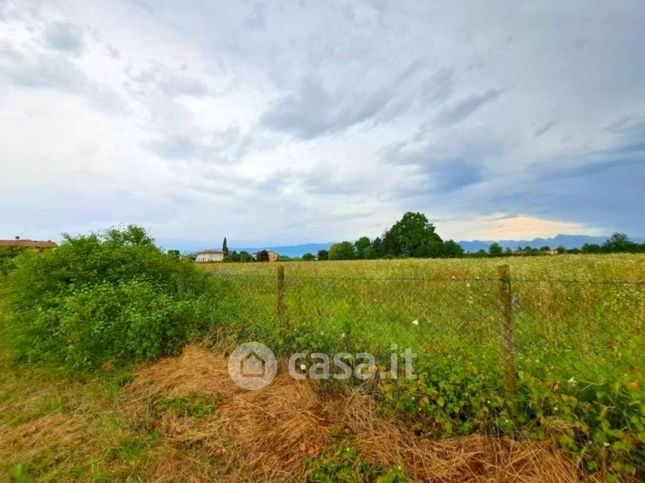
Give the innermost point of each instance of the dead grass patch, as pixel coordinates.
(268, 435)
(41, 435)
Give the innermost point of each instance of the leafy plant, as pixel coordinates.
(343, 464)
(111, 297)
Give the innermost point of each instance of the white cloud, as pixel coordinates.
(288, 122)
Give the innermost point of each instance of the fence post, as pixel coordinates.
(280, 301)
(508, 331)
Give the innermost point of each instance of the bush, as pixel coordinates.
(7, 256)
(602, 423)
(105, 297)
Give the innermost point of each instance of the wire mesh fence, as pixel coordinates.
(501, 324)
(502, 354)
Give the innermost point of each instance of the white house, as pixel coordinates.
(209, 256)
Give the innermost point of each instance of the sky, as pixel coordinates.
(288, 122)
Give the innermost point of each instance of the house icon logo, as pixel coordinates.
(252, 366)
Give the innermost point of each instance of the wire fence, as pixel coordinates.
(500, 324)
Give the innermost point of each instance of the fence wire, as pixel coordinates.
(568, 328)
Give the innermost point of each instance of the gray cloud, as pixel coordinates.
(39, 71)
(255, 20)
(169, 82)
(466, 107)
(402, 106)
(224, 147)
(64, 37)
(315, 111)
(443, 171)
(543, 129)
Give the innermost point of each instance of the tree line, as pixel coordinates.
(616, 243)
(413, 236)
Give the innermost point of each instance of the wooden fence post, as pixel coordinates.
(508, 331)
(280, 301)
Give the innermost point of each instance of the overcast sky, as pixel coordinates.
(302, 121)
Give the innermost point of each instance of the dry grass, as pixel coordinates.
(471, 458)
(269, 435)
(41, 435)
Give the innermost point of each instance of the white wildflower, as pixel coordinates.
(555, 408)
(303, 367)
(572, 381)
(605, 444)
(415, 322)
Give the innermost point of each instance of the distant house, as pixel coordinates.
(273, 256)
(35, 244)
(208, 256)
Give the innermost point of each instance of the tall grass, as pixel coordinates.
(578, 339)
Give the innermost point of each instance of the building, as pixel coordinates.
(35, 244)
(208, 256)
(273, 256)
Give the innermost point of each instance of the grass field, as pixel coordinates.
(572, 313)
(579, 339)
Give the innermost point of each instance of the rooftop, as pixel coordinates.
(28, 243)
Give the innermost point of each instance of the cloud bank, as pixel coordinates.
(287, 122)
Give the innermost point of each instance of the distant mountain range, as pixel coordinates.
(567, 241)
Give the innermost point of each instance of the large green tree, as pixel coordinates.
(495, 250)
(341, 251)
(412, 236)
(362, 246)
(452, 249)
(619, 242)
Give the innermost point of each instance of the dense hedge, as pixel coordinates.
(109, 297)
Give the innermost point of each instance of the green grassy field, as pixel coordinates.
(578, 342)
(574, 314)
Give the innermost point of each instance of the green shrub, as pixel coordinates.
(7, 256)
(341, 463)
(105, 297)
(603, 423)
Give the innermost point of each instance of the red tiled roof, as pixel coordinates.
(28, 243)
